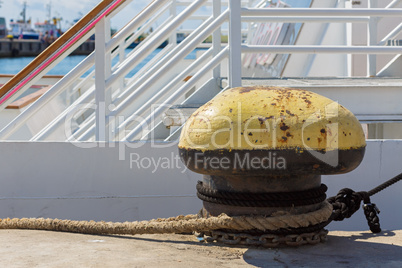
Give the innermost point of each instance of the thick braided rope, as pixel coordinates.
(248, 199)
(180, 224)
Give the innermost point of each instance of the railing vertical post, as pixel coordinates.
(108, 59)
(372, 41)
(235, 43)
(349, 39)
(122, 57)
(216, 37)
(102, 70)
(173, 13)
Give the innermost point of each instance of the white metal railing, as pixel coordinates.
(118, 106)
(371, 16)
(150, 78)
(128, 89)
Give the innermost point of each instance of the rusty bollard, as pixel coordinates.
(262, 151)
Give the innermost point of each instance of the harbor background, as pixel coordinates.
(14, 65)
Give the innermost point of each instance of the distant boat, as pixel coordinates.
(22, 40)
(21, 29)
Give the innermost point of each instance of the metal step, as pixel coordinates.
(372, 100)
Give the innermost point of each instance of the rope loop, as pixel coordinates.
(370, 211)
(347, 202)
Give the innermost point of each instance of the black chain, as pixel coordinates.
(266, 240)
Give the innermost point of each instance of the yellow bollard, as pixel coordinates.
(262, 150)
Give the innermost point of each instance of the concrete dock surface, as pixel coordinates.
(27, 248)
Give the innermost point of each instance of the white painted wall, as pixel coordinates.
(382, 162)
(62, 180)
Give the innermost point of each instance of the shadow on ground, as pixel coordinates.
(343, 249)
(361, 250)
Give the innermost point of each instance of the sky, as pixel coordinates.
(68, 10)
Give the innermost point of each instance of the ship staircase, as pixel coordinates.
(103, 99)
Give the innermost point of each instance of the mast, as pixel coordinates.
(24, 10)
(49, 10)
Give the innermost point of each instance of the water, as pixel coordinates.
(14, 65)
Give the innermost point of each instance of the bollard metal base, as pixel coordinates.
(252, 186)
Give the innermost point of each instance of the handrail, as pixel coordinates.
(57, 48)
(342, 12)
(304, 19)
(321, 49)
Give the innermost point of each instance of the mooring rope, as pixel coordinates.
(384, 185)
(180, 224)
